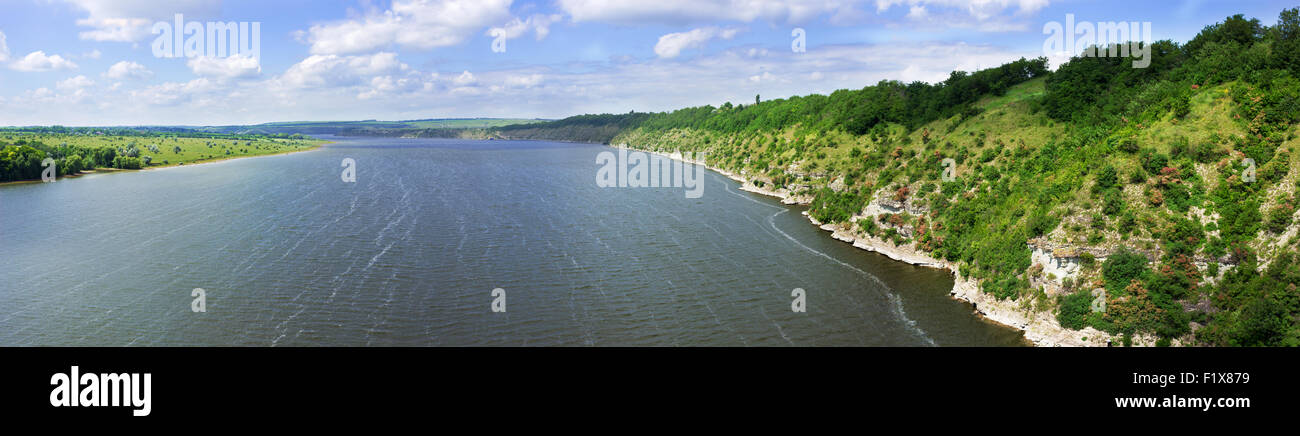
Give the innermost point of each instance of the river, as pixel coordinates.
(288, 254)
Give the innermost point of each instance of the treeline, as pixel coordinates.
(582, 128)
(1092, 89)
(857, 111)
(854, 111)
(23, 160)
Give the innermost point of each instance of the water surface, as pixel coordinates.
(290, 255)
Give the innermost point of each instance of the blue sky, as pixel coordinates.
(91, 62)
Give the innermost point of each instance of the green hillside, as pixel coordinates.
(1140, 178)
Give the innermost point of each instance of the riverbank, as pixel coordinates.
(215, 160)
(1040, 328)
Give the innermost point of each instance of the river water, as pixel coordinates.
(288, 254)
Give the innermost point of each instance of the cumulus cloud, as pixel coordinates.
(233, 67)
(380, 86)
(465, 79)
(73, 83)
(131, 20)
(672, 44)
(172, 93)
(128, 70)
(335, 70)
(422, 24)
(39, 61)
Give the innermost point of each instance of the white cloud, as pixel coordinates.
(74, 83)
(39, 61)
(93, 54)
(523, 81)
(388, 85)
(465, 79)
(41, 93)
(422, 24)
(233, 67)
(115, 29)
(172, 93)
(128, 70)
(4, 48)
(539, 24)
(694, 11)
(131, 20)
(672, 44)
(337, 71)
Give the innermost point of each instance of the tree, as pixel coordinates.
(1286, 47)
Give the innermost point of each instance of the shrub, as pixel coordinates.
(1122, 268)
(1073, 310)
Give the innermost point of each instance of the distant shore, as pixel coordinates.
(169, 166)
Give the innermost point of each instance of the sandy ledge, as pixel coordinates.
(1040, 328)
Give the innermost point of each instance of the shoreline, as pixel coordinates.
(101, 171)
(1041, 329)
